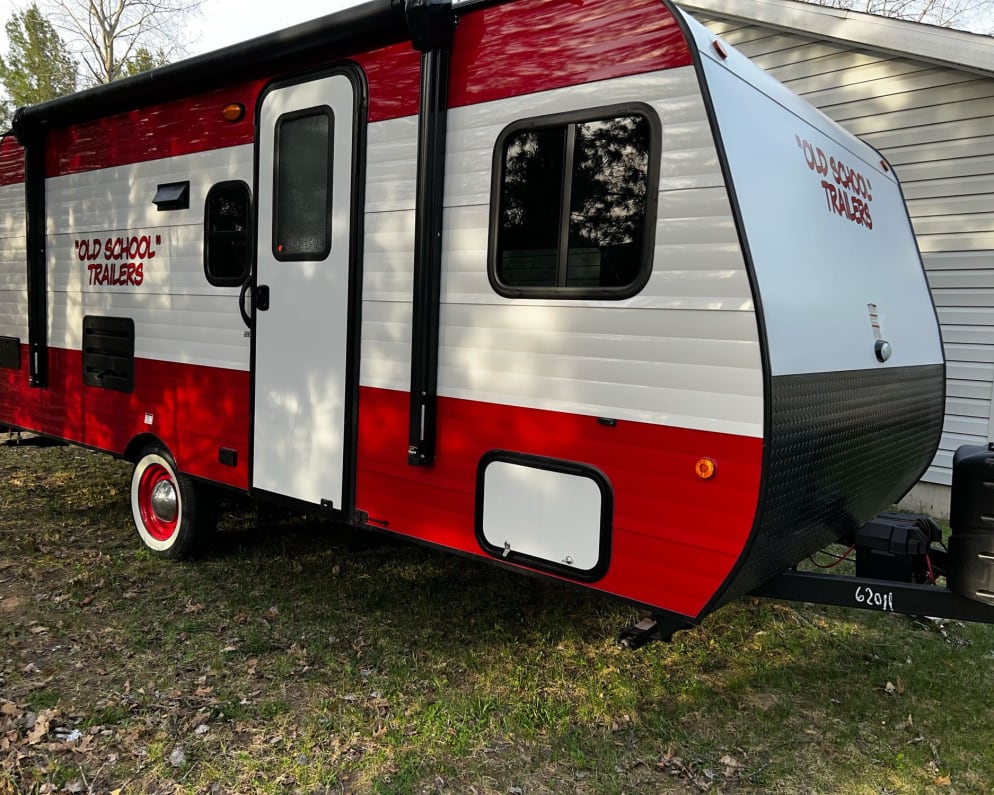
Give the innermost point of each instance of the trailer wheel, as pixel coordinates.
(164, 505)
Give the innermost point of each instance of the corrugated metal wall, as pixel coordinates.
(936, 126)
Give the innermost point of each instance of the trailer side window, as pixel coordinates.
(226, 233)
(573, 204)
(302, 205)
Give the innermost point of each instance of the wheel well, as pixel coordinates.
(140, 443)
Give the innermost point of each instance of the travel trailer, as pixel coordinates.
(569, 285)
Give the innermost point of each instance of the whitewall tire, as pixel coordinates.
(164, 505)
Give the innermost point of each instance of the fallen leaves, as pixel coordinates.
(699, 773)
(40, 728)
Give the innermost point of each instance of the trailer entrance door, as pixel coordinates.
(306, 155)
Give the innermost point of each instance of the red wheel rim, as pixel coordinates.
(160, 529)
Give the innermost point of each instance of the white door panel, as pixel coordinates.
(301, 339)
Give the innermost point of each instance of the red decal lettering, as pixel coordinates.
(847, 194)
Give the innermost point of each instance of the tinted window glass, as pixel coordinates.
(302, 228)
(607, 206)
(530, 207)
(573, 201)
(226, 250)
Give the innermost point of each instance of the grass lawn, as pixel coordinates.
(301, 657)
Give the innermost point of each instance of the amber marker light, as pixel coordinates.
(233, 111)
(705, 468)
(720, 49)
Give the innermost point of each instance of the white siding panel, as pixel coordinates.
(388, 254)
(976, 335)
(941, 166)
(959, 223)
(199, 330)
(945, 208)
(854, 116)
(927, 132)
(964, 147)
(982, 316)
(923, 88)
(684, 351)
(966, 426)
(391, 166)
(830, 87)
(178, 315)
(977, 408)
(13, 264)
(965, 352)
(825, 70)
(957, 260)
(952, 279)
(949, 186)
(975, 372)
(963, 297)
(968, 390)
(120, 198)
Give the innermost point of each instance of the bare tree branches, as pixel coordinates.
(113, 38)
(946, 13)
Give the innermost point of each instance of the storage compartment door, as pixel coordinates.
(545, 513)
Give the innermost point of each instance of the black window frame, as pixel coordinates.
(600, 113)
(315, 110)
(228, 281)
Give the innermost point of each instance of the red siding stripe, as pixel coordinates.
(194, 124)
(522, 47)
(676, 536)
(11, 161)
(195, 410)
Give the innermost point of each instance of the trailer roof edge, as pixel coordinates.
(373, 22)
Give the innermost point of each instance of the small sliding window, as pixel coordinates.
(303, 166)
(574, 204)
(227, 248)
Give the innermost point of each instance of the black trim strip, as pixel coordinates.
(10, 353)
(34, 189)
(431, 23)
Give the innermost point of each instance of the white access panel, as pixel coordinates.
(301, 341)
(542, 514)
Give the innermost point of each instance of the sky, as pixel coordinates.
(224, 22)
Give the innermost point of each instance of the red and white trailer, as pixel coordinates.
(571, 285)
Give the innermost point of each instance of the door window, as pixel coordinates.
(303, 170)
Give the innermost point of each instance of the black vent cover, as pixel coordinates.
(10, 353)
(109, 352)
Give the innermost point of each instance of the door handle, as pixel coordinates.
(262, 298)
(246, 317)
